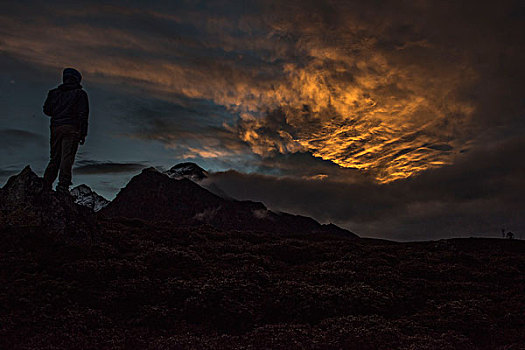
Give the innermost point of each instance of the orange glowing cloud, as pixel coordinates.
(343, 96)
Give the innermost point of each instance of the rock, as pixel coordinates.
(23, 203)
(85, 196)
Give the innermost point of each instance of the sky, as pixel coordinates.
(399, 119)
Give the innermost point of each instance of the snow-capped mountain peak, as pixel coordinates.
(85, 196)
(187, 170)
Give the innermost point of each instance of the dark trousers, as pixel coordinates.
(64, 144)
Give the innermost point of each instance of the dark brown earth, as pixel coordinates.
(142, 285)
(149, 287)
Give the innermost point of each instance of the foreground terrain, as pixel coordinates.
(144, 286)
(169, 265)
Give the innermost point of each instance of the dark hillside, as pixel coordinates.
(154, 196)
(143, 286)
(154, 284)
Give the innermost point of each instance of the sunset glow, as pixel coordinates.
(348, 100)
(376, 96)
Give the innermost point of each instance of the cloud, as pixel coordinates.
(13, 139)
(96, 168)
(475, 196)
(369, 87)
(7, 172)
(399, 119)
(191, 129)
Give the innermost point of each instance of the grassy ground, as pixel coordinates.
(147, 287)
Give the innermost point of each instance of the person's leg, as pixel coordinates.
(69, 149)
(55, 156)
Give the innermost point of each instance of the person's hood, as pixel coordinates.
(71, 76)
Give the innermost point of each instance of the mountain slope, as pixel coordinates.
(153, 196)
(154, 284)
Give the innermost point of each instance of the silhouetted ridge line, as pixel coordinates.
(154, 196)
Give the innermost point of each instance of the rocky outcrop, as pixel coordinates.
(23, 203)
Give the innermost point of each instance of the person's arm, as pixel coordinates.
(83, 114)
(49, 104)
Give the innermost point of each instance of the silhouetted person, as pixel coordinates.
(68, 107)
(510, 235)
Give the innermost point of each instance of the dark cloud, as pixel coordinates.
(14, 139)
(395, 118)
(7, 172)
(96, 168)
(192, 128)
(305, 166)
(476, 196)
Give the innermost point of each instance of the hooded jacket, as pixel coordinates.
(68, 103)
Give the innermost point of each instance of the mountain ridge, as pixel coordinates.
(158, 285)
(152, 195)
(149, 196)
